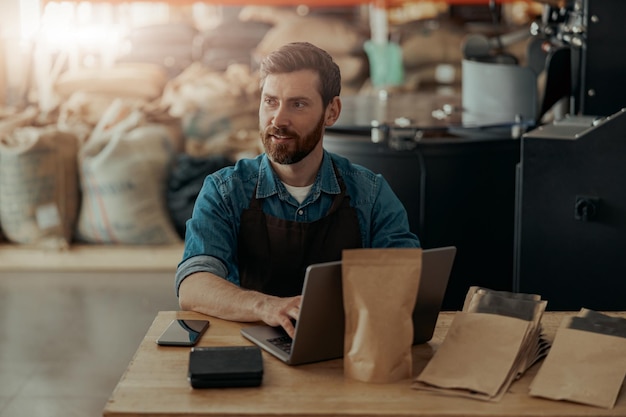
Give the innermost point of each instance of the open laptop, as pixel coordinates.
(320, 327)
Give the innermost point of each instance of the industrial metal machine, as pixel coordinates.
(571, 190)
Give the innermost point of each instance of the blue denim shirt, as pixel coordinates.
(212, 231)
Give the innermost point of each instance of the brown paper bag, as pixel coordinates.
(379, 292)
(477, 358)
(527, 307)
(582, 366)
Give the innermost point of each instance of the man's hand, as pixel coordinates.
(277, 311)
(209, 294)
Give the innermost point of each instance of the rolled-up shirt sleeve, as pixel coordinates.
(200, 263)
(211, 232)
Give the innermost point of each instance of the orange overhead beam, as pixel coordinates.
(312, 3)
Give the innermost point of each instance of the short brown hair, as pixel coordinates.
(298, 56)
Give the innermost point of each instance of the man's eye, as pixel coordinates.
(299, 104)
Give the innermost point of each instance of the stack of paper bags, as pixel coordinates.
(587, 362)
(490, 343)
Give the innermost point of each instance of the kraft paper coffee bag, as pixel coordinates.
(587, 362)
(379, 293)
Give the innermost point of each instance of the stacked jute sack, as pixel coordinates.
(118, 155)
(341, 39)
(96, 168)
(92, 169)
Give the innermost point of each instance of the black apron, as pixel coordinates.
(274, 253)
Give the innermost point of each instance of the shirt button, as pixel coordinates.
(300, 212)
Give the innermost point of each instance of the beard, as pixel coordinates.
(298, 147)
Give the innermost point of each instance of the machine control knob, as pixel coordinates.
(586, 208)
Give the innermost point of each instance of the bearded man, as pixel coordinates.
(257, 226)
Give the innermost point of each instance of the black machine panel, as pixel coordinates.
(591, 33)
(457, 192)
(603, 58)
(571, 216)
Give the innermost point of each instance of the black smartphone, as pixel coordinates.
(183, 332)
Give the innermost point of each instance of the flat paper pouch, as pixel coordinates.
(379, 292)
(477, 354)
(582, 367)
(495, 303)
(225, 366)
(520, 305)
(528, 307)
(593, 321)
(507, 294)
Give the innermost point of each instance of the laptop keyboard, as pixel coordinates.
(282, 342)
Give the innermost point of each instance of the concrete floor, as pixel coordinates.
(66, 338)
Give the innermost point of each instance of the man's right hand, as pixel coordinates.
(214, 296)
(282, 312)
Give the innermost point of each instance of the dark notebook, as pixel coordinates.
(225, 366)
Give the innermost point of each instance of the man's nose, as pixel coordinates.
(281, 117)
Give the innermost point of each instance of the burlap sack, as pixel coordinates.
(82, 111)
(323, 32)
(124, 168)
(379, 293)
(215, 92)
(219, 110)
(130, 80)
(39, 186)
(13, 120)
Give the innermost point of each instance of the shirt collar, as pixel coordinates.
(269, 184)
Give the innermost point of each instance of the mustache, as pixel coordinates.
(280, 131)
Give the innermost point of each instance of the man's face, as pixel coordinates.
(291, 116)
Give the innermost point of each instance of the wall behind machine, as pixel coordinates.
(457, 192)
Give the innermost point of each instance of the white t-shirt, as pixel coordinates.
(299, 193)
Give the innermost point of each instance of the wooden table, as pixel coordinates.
(155, 384)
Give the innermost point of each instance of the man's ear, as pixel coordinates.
(333, 110)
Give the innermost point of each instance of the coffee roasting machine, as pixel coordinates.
(571, 190)
(534, 197)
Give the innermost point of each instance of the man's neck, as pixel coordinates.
(302, 173)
